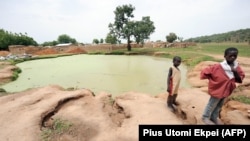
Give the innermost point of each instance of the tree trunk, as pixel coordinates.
(128, 44)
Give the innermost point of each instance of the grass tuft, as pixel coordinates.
(59, 127)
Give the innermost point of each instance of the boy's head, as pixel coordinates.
(177, 61)
(231, 54)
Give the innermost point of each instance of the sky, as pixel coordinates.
(85, 20)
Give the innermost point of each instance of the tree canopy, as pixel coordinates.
(143, 29)
(8, 38)
(171, 37)
(64, 38)
(111, 39)
(125, 28)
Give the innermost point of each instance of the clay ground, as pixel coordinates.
(101, 117)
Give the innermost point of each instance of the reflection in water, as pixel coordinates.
(114, 74)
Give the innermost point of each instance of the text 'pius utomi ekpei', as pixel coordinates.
(239, 132)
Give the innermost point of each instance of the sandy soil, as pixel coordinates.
(100, 117)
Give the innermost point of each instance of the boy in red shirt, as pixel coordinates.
(222, 78)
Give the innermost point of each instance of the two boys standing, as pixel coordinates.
(222, 78)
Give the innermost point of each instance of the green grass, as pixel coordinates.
(192, 55)
(218, 48)
(2, 90)
(59, 127)
(241, 98)
(15, 74)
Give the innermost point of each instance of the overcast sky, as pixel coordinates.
(85, 20)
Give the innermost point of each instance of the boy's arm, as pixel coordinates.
(238, 74)
(168, 79)
(205, 73)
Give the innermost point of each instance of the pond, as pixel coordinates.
(114, 74)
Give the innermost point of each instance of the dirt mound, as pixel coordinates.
(28, 114)
(233, 112)
(236, 112)
(93, 117)
(4, 53)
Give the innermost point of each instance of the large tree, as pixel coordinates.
(143, 29)
(123, 26)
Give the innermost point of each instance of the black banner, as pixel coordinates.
(194, 132)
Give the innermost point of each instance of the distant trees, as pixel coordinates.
(51, 43)
(171, 37)
(125, 28)
(242, 35)
(101, 40)
(8, 38)
(64, 38)
(95, 41)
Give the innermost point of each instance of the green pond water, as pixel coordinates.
(114, 74)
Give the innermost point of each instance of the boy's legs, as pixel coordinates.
(174, 101)
(170, 103)
(216, 112)
(210, 107)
